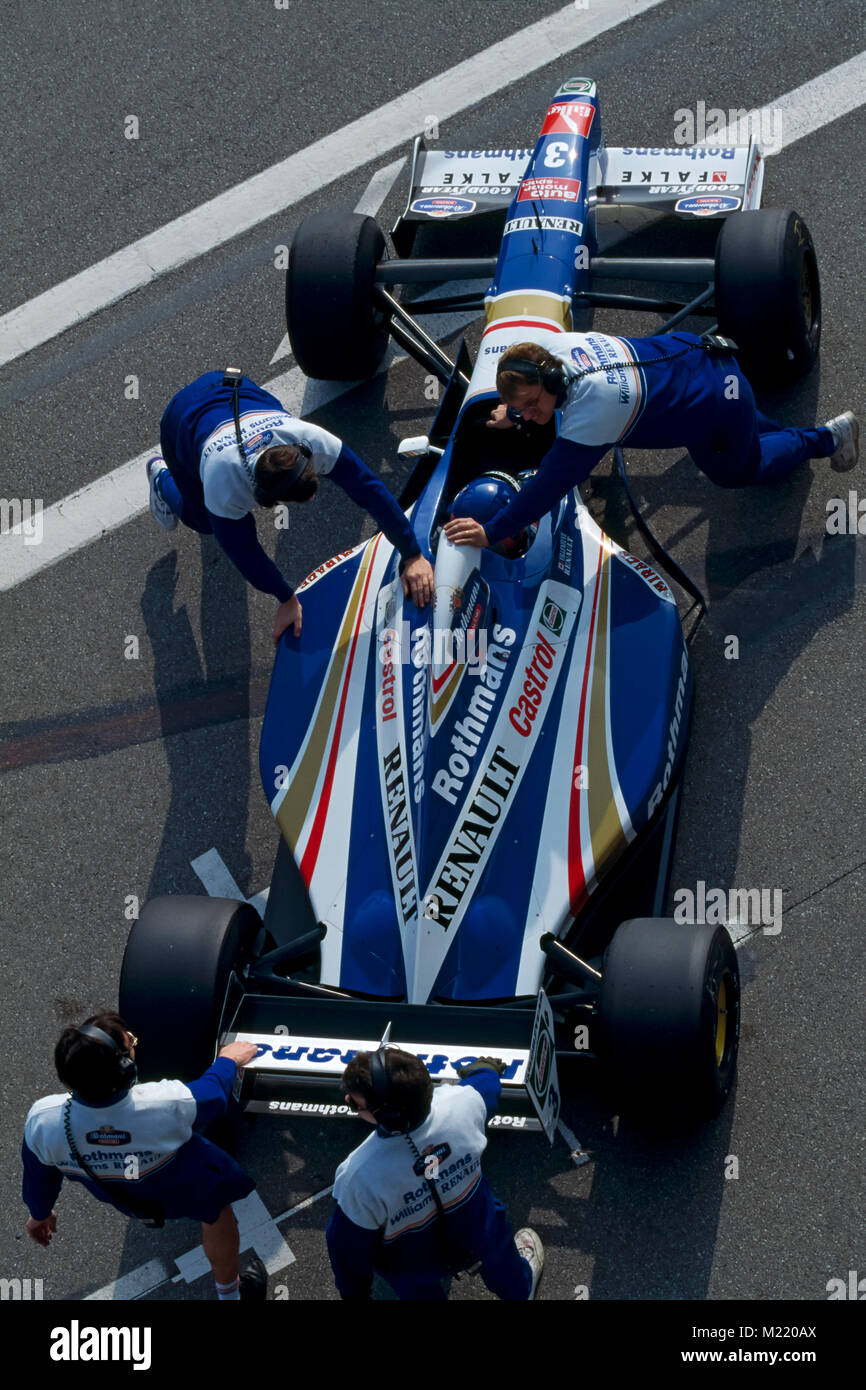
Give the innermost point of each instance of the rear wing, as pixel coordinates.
(304, 1045)
(449, 186)
(630, 187)
(691, 181)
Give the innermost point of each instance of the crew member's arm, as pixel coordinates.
(483, 1076)
(240, 542)
(564, 466)
(352, 1250)
(39, 1189)
(213, 1090)
(356, 480)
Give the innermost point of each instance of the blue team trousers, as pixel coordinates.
(743, 446)
(505, 1272)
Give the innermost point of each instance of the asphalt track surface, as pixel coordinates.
(119, 773)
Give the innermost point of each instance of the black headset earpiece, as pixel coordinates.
(380, 1092)
(126, 1065)
(550, 374)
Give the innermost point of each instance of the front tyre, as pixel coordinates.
(670, 1019)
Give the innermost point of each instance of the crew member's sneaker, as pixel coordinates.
(845, 429)
(162, 512)
(529, 1245)
(254, 1282)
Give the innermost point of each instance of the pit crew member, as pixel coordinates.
(387, 1218)
(663, 392)
(205, 480)
(139, 1148)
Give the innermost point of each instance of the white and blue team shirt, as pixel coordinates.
(155, 1121)
(652, 404)
(386, 1217)
(226, 481)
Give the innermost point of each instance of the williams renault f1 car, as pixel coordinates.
(477, 802)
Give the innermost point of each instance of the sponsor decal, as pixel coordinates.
(672, 190)
(565, 190)
(673, 736)
(439, 1152)
(258, 441)
(442, 207)
(108, 1136)
(552, 617)
(478, 190)
(573, 117)
(469, 731)
(387, 705)
(486, 154)
(707, 205)
(469, 842)
(421, 662)
(400, 832)
(537, 673)
(541, 1079)
(548, 224)
(566, 553)
(582, 357)
(646, 573)
(576, 84)
(685, 152)
(327, 565)
(720, 176)
(321, 1055)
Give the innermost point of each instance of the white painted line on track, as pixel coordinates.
(281, 186)
(577, 1153)
(807, 108)
(217, 881)
(307, 1202)
(134, 1284)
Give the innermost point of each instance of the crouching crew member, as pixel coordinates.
(212, 481)
(665, 392)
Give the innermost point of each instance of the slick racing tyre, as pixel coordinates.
(176, 968)
(670, 1019)
(335, 328)
(768, 293)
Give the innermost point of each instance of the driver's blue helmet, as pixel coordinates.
(483, 498)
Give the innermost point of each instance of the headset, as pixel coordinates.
(387, 1114)
(126, 1065)
(266, 495)
(550, 374)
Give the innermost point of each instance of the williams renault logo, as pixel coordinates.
(552, 617)
(109, 1137)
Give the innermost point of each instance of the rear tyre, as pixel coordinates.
(670, 1019)
(336, 329)
(768, 293)
(173, 980)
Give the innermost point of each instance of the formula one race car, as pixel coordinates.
(478, 803)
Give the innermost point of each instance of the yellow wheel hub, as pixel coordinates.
(721, 1020)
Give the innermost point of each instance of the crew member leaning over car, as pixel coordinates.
(203, 479)
(610, 393)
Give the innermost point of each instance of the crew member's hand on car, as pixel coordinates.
(499, 418)
(240, 1052)
(484, 1064)
(287, 615)
(464, 531)
(417, 579)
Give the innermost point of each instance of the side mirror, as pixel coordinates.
(417, 447)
